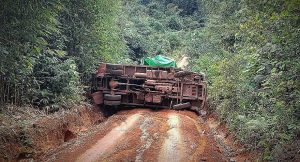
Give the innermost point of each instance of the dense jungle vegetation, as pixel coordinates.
(249, 50)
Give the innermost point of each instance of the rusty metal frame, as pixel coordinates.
(156, 86)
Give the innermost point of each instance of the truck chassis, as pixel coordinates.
(147, 86)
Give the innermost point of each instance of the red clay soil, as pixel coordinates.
(148, 135)
(25, 135)
(229, 146)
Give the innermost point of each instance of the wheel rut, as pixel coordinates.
(145, 138)
(108, 141)
(145, 135)
(172, 146)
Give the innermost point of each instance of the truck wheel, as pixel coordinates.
(182, 106)
(110, 97)
(112, 103)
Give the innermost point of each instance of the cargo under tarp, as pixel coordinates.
(160, 61)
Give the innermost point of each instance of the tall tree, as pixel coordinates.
(91, 32)
(24, 28)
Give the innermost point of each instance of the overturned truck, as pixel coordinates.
(148, 86)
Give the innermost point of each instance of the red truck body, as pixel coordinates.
(147, 86)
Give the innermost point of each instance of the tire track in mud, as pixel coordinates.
(148, 136)
(172, 146)
(108, 141)
(144, 137)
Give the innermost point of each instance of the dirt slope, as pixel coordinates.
(183, 62)
(147, 135)
(27, 133)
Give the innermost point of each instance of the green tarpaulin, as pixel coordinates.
(159, 60)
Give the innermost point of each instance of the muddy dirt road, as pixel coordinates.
(147, 135)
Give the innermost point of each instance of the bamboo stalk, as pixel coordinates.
(15, 102)
(1, 90)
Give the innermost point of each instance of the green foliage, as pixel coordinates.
(251, 52)
(57, 82)
(158, 27)
(248, 49)
(91, 33)
(23, 33)
(175, 23)
(50, 46)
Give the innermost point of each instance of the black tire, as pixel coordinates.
(116, 72)
(182, 106)
(110, 97)
(112, 103)
(182, 74)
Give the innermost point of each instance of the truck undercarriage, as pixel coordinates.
(138, 85)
